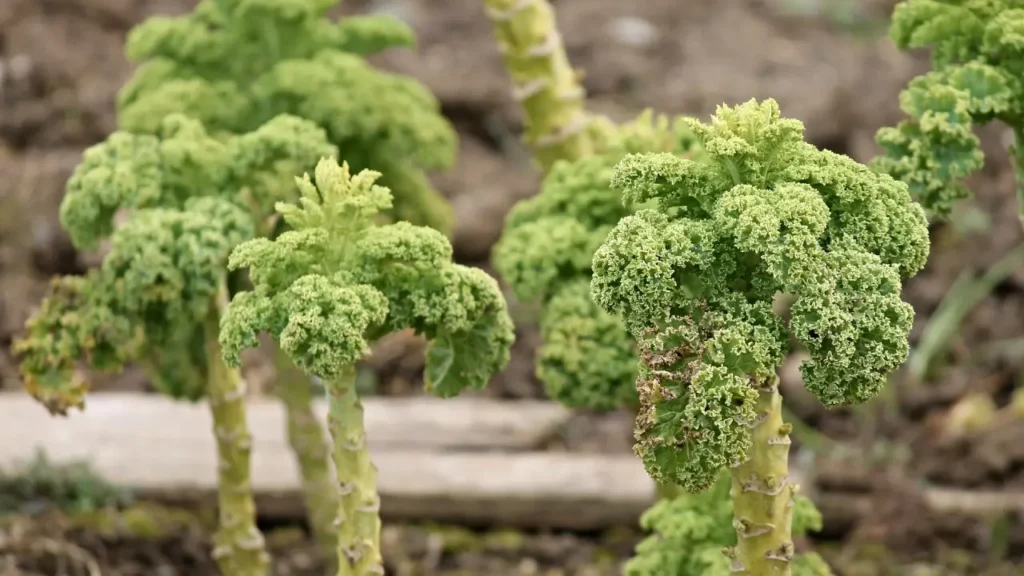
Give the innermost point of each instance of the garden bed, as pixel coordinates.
(61, 62)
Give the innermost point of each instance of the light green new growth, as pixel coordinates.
(687, 534)
(694, 278)
(586, 359)
(234, 64)
(336, 282)
(978, 64)
(188, 198)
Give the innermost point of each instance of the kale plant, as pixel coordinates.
(333, 284)
(586, 359)
(976, 78)
(187, 199)
(694, 276)
(234, 64)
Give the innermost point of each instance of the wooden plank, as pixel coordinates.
(528, 490)
(156, 421)
(167, 454)
(164, 451)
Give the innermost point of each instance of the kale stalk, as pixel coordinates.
(694, 275)
(333, 284)
(544, 82)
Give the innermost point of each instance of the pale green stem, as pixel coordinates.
(239, 548)
(1017, 156)
(762, 494)
(543, 81)
(358, 521)
(311, 449)
(667, 491)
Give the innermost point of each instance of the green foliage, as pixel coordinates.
(694, 277)
(336, 282)
(189, 198)
(69, 488)
(695, 389)
(689, 532)
(235, 64)
(587, 359)
(978, 61)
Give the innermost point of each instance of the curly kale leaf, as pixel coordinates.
(138, 171)
(123, 172)
(587, 360)
(169, 263)
(856, 331)
(76, 322)
(187, 199)
(688, 533)
(177, 365)
(235, 65)
(545, 253)
(694, 277)
(978, 59)
(378, 114)
(696, 394)
(336, 282)
(162, 88)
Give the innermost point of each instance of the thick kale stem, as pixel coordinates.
(544, 82)
(358, 520)
(239, 547)
(312, 451)
(762, 494)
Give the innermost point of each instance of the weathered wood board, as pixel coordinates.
(461, 460)
(467, 461)
(418, 422)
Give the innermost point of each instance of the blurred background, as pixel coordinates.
(920, 481)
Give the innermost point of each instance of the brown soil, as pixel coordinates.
(61, 65)
(145, 540)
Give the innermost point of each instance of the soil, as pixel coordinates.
(61, 66)
(145, 539)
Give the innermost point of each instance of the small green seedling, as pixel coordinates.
(335, 283)
(694, 277)
(976, 78)
(187, 199)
